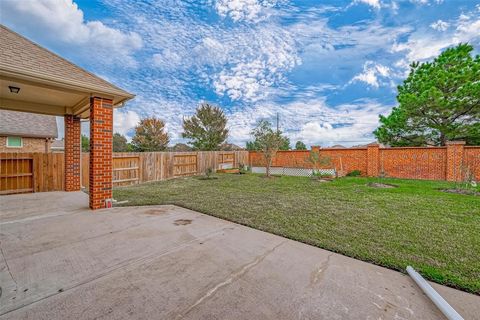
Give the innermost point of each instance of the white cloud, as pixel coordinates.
(124, 121)
(312, 121)
(421, 46)
(371, 73)
(249, 10)
(374, 3)
(61, 22)
(255, 63)
(440, 25)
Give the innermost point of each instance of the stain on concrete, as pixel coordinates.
(182, 222)
(156, 212)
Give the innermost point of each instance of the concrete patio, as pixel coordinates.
(62, 261)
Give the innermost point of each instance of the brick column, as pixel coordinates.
(100, 171)
(455, 151)
(373, 160)
(72, 153)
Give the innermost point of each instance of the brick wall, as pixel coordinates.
(29, 145)
(101, 152)
(438, 163)
(414, 163)
(471, 160)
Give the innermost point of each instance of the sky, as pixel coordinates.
(327, 68)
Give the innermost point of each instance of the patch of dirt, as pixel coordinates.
(461, 191)
(271, 177)
(156, 212)
(182, 222)
(207, 178)
(381, 185)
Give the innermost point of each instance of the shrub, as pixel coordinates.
(354, 173)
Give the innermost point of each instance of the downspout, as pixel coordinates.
(437, 299)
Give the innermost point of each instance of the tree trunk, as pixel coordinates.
(443, 139)
(268, 169)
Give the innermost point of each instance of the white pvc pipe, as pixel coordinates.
(437, 299)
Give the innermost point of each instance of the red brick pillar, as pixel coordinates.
(316, 148)
(373, 160)
(72, 153)
(455, 151)
(100, 175)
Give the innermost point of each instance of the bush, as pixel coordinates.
(354, 173)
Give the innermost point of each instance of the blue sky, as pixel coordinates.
(329, 68)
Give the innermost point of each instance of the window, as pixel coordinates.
(14, 142)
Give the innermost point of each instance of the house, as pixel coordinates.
(36, 80)
(26, 132)
(58, 146)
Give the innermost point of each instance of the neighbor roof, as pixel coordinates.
(20, 55)
(14, 123)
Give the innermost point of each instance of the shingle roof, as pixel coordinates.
(20, 54)
(25, 124)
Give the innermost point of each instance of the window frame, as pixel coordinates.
(21, 142)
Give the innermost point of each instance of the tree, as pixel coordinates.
(268, 142)
(150, 135)
(207, 128)
(252, 146)
(119, 142)
(85, 143)
(439, 101)
(300, 146)
(180, 147)
(285, 145)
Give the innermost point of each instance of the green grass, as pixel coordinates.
(415, 224)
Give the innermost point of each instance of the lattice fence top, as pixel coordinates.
(298, 172)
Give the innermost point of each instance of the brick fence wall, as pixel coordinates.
(429, 163)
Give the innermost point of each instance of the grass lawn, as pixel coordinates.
(415, 224)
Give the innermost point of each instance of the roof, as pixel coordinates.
(58, 144)
(14, 123)
(20, 55)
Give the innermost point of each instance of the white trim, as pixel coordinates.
(14, 147)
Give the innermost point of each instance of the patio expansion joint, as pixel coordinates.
(233, 277)
(125, 267)
(8, 269)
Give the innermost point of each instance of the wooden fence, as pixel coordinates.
(39, 172)
(31, 172)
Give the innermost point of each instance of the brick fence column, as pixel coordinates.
(100, 171)
(373, 160)
(454, 160)
(72, 153)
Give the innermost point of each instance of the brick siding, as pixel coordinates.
(29, 145)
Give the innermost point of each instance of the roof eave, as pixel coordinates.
(27, 135)
(118, 95)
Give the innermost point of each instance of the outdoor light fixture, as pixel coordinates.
(14, 89)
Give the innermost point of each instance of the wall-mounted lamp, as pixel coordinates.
(14, 89)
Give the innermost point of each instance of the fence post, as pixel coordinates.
(455, 150)
(373, 159)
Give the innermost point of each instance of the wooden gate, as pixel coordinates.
(126, 170)
(185, 165)
(16, 173)
(226, 160)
